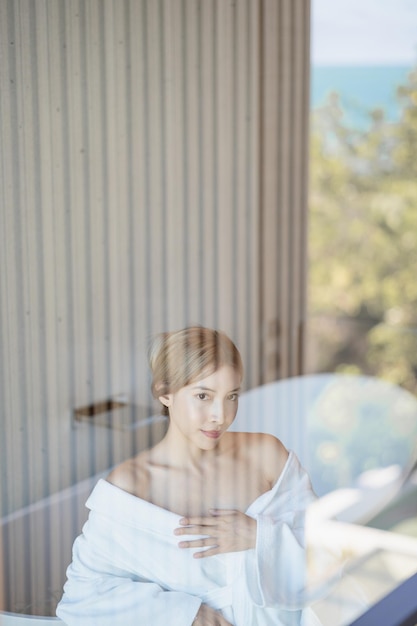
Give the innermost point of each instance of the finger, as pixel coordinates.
(209, 552)
(227, 512)
(198, 543)
(197, 521)
(194, 530)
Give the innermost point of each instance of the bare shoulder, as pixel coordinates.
(132, 476)
(274, 456)
(267, 452)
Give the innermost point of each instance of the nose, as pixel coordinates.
(217, 412)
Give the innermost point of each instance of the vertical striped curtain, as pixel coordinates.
(153, 175)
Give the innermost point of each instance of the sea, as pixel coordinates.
(361, 89)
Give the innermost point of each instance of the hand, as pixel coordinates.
(207, 616)
(226, 530)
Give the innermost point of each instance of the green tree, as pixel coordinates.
(363, 241)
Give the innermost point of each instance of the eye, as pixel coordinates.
(202, 395)
(234, 397)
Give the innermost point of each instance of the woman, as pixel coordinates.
(206, 527)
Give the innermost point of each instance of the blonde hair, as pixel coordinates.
(178, 358)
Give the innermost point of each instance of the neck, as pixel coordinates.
(181, 453)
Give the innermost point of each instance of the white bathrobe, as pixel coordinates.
(127, 568)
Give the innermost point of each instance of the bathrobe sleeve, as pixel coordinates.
(276, 571)
(97, 594)
(110, 581)
(118, 601)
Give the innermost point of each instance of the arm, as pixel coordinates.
(272, 531)
(97, 593)
(276, 572)
(231, 530)
(207, 616)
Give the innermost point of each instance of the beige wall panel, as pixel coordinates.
(139, 214)
(150, 151)
(284, 199)
(207, 156)
(247, 191)
(191, 161)
(225, 217)
(174, 249)
(271, 214)
(285, 149)
(10, 378)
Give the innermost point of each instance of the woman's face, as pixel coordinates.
(203, 410)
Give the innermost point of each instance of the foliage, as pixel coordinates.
(363, 240)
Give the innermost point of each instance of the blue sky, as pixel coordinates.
(364, 32)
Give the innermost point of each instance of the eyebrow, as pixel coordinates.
(213, 390)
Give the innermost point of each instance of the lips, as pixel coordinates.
(212, 434)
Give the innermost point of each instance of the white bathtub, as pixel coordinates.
(36, 544)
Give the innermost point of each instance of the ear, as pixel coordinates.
(166, 399)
